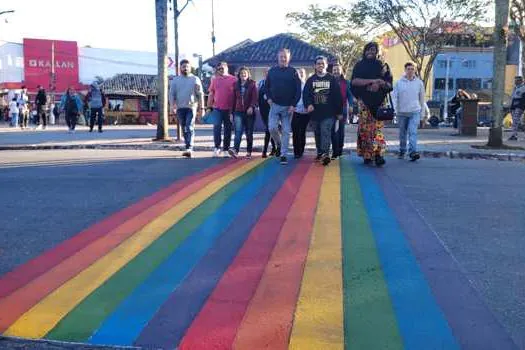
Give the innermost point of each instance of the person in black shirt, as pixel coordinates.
(41, 101)
(283, 89)
(323, 100)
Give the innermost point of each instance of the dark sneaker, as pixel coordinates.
(367, 161)
(232, 153)
(513, 138)
(380, 161)
(414, 156)
(401, 155)
(326, 159)
(297, 156)
(272, 153)
(264, 155)
(248, 156)
(90, 129)
(319, 157)
(284, 161)
(278, 152)
(335, 156)
(99, 130)
(187, 153)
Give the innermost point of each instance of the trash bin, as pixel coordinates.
(469, 120)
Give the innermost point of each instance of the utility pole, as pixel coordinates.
(52, 82)
(498, 78)
(161, 14)
(213, 27)
(176, 14)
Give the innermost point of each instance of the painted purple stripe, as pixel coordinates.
(178, 312)
(472, 323)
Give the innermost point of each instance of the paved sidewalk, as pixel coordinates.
(433, 142)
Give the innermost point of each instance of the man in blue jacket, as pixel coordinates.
(283, 89)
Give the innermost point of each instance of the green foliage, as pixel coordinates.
(330, 29)
(423, 26)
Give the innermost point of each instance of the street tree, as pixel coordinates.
(161, 15)
(330, 29)
(423, 27)
(501, 34)
(517, 15)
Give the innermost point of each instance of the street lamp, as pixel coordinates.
(4, 12)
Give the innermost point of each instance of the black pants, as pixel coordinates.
(71, 120)
(299, 126)
(338, 138)
(267, 136)
(98, 113)
(41, 113)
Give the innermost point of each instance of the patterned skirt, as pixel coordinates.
(370, 138)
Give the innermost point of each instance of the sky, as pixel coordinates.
(130, 24)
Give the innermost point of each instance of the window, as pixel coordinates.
(469, 64)
(439, 84)
(443, 64)
(487, 84)
(468, 84)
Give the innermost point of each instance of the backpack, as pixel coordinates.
(71, 105)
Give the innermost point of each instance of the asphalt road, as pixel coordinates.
(474, 207)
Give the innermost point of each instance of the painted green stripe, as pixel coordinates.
(82, 321)
(370, 322)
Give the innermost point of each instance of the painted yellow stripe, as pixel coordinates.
(42, 317)
(318, 322)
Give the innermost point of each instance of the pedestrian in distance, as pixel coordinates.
(187, 101)
(23, 108)
(41, 102)
(322, 96)
(371, 84)
(244, 111)
(410, 107)
(71, 105)
(14, 112)
(264, 110)
(283, 88)
(338, 137)
(300, 121)
(517, 106)
(220, 100)
(96, 102)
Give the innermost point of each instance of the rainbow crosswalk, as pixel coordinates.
(253, 255)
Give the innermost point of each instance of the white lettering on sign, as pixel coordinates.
(47, 64)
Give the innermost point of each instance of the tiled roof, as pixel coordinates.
(264, 52)
(131, 84)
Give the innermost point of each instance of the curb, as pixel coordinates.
(170, 147)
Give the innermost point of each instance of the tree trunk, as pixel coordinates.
(161, 13)
(498, 77)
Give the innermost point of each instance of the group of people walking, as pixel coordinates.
(288, 102)
(71, 104)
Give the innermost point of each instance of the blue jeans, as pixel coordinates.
(187, 123)
(243, 124)
(323, 134)
(408, 123)
(280, 114)
(222, 117)
(14, 119)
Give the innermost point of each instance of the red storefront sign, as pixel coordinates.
(39, 60)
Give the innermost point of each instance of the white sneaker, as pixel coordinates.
(217, 152)
(187, 153)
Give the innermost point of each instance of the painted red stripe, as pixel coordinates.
(21, 275)
(14, 305)
(216, 325)
(270, 314)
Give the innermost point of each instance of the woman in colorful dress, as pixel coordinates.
(371, 83)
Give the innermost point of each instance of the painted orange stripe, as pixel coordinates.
(16, 304)
(268, 321)
(23, 274)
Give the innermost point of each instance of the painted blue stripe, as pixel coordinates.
(177, 314)
(420, 319)
(124, 325)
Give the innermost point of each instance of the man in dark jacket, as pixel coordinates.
(283, 89)
(323, 100)
(41, 101)
(96, 101)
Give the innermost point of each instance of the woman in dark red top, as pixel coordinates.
(244, 111)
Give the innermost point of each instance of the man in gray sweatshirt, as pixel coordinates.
(410, 107)
(187, 100)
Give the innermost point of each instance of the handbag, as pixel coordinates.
(387, 112)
